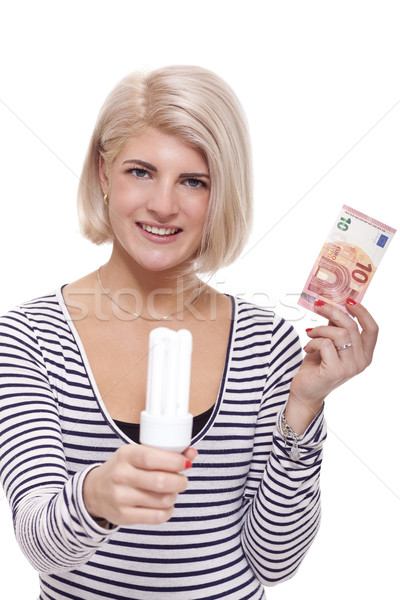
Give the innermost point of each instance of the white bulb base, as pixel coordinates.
(168, 433)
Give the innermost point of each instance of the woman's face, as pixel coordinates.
(159, 190)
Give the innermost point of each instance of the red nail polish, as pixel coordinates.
(351, 301)
(188, 464)
(319, 303)
(309, 329)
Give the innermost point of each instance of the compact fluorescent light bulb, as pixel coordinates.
(166, 423)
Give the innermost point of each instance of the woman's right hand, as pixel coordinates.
(138, 484)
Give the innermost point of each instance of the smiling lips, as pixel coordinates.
(161, 231)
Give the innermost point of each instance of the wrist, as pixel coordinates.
(300, 414)
(90, 495)
(289, 433)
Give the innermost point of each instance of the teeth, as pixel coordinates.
(159, 230)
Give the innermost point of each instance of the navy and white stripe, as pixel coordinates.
(248, 516)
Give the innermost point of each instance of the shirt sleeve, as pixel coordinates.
(51, 522)
(282, 513)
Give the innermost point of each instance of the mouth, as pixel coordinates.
(161, 231)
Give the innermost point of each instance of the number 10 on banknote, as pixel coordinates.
(348, 259)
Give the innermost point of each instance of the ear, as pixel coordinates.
(103, 175)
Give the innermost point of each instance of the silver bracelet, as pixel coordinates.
(289, 433)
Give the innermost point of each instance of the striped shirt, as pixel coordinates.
(249, 513)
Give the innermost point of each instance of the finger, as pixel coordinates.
(339, 335)
(335, 315)
(144, 516)
(329, 311)
(146, 499)
(159, 482)
(190, 454)
(370, 329)
(350, 333)
(326, 349)
(148, 458)
(126, 497)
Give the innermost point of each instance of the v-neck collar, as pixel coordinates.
(96, 391)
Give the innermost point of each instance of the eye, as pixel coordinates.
(139, 172)
(195, 183)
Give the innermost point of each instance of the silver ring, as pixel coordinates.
(349, 345)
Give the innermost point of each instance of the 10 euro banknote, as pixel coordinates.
(348, 259)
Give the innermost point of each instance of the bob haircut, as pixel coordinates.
(199, 108)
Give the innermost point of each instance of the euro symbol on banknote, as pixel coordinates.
(348, 259)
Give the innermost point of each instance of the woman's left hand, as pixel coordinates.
(327, 365)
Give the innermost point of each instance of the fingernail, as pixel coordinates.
(309, 329)
(188, 464)
(351, 301)
(193, 450)
(319, 303)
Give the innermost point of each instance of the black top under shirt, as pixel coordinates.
(132, 429)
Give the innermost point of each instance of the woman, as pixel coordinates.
(167, 179)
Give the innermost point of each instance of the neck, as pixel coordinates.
(151, 294)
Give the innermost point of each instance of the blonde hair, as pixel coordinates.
(198, 107)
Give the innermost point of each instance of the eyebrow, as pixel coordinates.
(142, 163)
(194, 175)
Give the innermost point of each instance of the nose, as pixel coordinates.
(163, 201)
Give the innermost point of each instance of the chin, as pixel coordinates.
(157, 262)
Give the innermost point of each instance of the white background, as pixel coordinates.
(320, 84)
